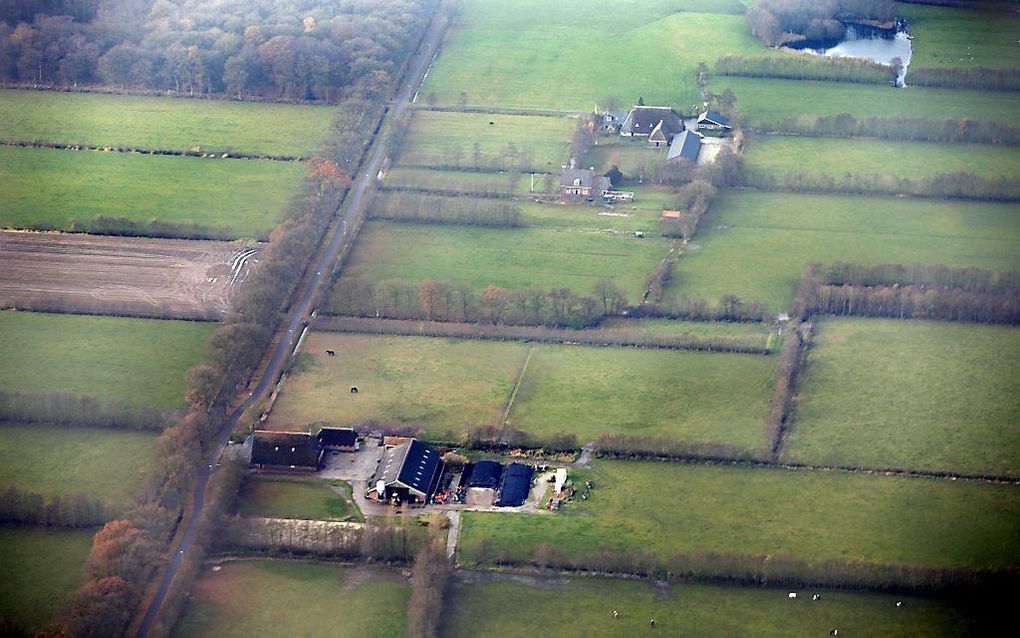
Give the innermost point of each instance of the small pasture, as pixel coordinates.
(444, 386)
(692, 396)
(43, 188)
(917, 395)
(640, 215)
(568, 56)
(954, 37)
(108, 465)
(509, 258)
(782, 156)
(296, 497)
(137, 361)
(579, 606)
(162, 123)
(756, 245)
(633, 157)
(486, 140)
(498, 184)
(704, 329)
(296, 598)
(41, 570)
(666, 508)
(766, 103)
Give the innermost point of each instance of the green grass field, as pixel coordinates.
(426, 179)
(696, 397)
(293, 598)
(162, 123)
(665, 508)
(42, 187)
(444, 386)
(579, 606)
(108, 465)
(41, 570)
(756, 245)
(296, 497)
(437, 138)
(910, 394)
(136, 361)
(510, 258)
(675, 328)
(641, 214)
(632, 156)
(779, 156)
(961, 38)
(767, 102)
(569, 55)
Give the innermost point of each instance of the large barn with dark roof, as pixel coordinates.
(409, 472)
(342, 439)
(288, 451)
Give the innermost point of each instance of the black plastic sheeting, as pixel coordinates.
(485, 474)
(515, 485)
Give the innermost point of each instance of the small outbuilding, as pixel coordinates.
(286, 451)
(485, 474)
(409, 472)
(515, 485)
(684, 149)
(714, 121)
(340, 439)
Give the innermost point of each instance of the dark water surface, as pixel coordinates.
(877, 45)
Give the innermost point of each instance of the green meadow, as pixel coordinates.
(568, 55)
(756, 245)
(41, 570)
(295, 598)
(53, 189)
(580, 606)
(437, 138)
(507, 257)
(961, 38)
(108, 465)
(136, 361)
(779, 156)
(296, 497)
(765, 103)
(494, 183)
(918, 395)
(666, 508)
(162, 122)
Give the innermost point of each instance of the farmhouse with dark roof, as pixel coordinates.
(288, 451)
(409, 472)
(658, 123)
(582, 184)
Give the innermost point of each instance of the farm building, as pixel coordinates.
(515, 485)
(714, 121)
(582, 184)
(409, 472)
(288, 451)
(340, 439)
(658, 123)
(669, 215)
(485, 474)
(684, 148)
(611, 121)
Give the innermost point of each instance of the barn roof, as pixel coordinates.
(515, 485)
(297, 449)
(485, 474)
(714, 117)
(685, 147)
(339, 437)
(413, 465)
(642, 120)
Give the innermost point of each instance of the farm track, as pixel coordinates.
(130, 276)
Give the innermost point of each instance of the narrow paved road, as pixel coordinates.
(302, 309)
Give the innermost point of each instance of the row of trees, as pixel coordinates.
(60, 407)
(808, 67)
(430, 576)
(729, 307)
(693, 201)
(449, 301)
(651, 447)
(790, 359)
(22, 507)
(953, 131)
(302, 50)
(956, 185)
(404, 206)
(777, 22)
(969, 279)
(615, 336)
(973, 78)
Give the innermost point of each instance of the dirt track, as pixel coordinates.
(120, 275)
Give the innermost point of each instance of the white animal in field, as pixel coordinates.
(816, 597)
(792, 594)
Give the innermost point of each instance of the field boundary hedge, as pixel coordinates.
(956, 185)
(120, 148)
(79, 410)
(947, 131)
(973, 78)
(803, 66)
(110, 308)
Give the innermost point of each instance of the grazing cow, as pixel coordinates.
(792, 594)
(899, 603)
(834, 632)
(331, 353)
(651, 623)
(354, 389)
(616, 614)
(816, 597)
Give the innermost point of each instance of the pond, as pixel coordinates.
(877, 45)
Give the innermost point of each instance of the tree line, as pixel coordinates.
(805, 66)
(693, 201)
(598, 336)
(777, 22)
(22, 507)
(955, 185)
(921, 298)
(430, 576)
(913, 129)
(968, 278)
(61, 407)
(972, 78)
(626, 446)
(403, 206)
(303, 50)
(791, 356)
